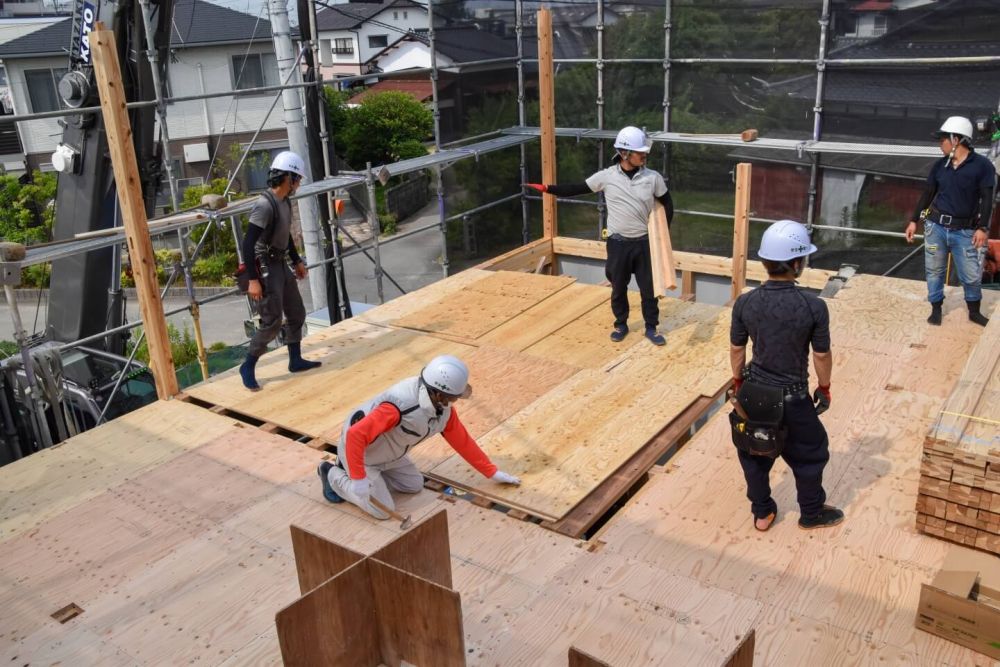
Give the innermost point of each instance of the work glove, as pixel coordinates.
(503, 478)
(361, 488)
(822, 398)
(541, 187)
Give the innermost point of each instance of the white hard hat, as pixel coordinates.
(633, 139)
(447, 374)
(956, 125)
(289, 161)
(785, 240)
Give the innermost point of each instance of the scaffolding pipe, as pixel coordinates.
(519, 32)
(373, 222)
(439, 172)
(21, 337)
(668, 12)
(602, 212)
(824, 27)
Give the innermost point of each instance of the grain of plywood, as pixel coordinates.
(564, 444)
(56, 479)
(422, 550)
(317, 559)
(547, 316)
(403, 305)
(483, 305)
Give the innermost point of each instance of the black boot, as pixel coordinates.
(296, 363)
(975, 315)
(247, 373)
(935, 317)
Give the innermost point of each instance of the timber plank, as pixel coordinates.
(547, 316)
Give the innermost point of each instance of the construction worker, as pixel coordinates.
(956, 208)
(778, 416)
(377, 435)
(630, 191)
(269, 241)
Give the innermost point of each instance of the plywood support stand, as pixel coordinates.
(741, 229)
(140, 247)
(547, 110)
(661, 251)
(396, 605)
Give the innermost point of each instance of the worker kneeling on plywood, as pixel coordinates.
(775, 415)
(372, 457)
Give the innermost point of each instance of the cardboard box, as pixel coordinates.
(962, 604)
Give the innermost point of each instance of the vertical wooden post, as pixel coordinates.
(126, 169)
(547, 111)
(741, 229)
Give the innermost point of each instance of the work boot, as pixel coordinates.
(324, 474)
(619, 333)
(975, 315)
(935, 317)
(654, 337)
(247, 373)
(296, 363)
(828, 516)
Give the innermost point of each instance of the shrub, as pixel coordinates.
(387, 223)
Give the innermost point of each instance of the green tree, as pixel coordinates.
(27, 210)
(384, 128)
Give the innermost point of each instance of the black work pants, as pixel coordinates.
(627, 258)
(806, 452)
(281, 300)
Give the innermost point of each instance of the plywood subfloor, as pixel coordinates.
(170, 530)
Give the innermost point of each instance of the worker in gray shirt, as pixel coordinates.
(273, 265)
(630, 191)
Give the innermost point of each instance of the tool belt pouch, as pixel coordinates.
(242, 277)
(764, 433)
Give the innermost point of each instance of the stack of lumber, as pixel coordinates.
(959, 495)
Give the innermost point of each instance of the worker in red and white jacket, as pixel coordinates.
(377, 436)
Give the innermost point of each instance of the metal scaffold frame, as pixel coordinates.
(446, 154)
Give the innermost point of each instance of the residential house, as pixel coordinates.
(213, 49)
(351, 35)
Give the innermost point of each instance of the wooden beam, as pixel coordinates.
(661, 251)
(547, 111)
(126, 170)
(741, 229)
(693, 262)
(522, 258)
(687, 286)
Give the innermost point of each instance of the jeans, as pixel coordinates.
(968, 261)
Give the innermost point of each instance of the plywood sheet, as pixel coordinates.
(548, 316)
(316, 403)
(483, 305)
(503, 382)
(49, 482)
(564, 444)
(403, 305)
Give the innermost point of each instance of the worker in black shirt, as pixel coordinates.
(783, 321)
(630, 192)
(956, 208)
(269, 241)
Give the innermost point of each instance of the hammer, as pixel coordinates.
(404, 522)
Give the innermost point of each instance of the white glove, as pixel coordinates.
(361, 488)
(503, 478)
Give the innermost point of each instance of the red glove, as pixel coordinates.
(737, 383)
(825, 391)
(541, 187)
(822, 399)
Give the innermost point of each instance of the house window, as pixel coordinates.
(378, 41)
(405, 15)
(881, 25)
(42, 91)
(395, 16)
(343, 46)
(255, 70)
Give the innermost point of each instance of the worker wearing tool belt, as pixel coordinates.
(630, 191)
(775, 415)
(372, 458)
(956, 208)
(269, 241)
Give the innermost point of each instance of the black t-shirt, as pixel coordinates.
(782, 320)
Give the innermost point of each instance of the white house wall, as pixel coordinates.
(406, 56)
(188, 119)
(393, 28)
(37, 136)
